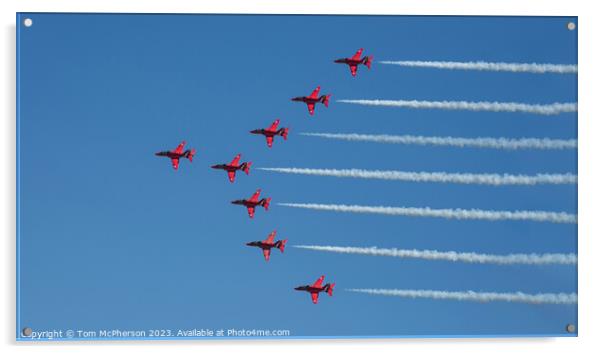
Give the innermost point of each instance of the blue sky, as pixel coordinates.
(112, 237)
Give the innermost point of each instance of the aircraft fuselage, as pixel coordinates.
(170, 154)
(306, 99)
(227, 167)
(349, 61)
(265, 132)
(311, 289)
(262, 245)
(247, 203)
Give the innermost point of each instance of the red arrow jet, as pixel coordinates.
(312, 99)
(233, 166)
(253, 202)
(272, 131)
(316, 289)
(177, 153)
(356, 60)
(267, 245)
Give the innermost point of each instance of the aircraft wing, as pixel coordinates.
(314, 298)
(251, 211)
(231, 175)
(270, 140)
(357, 54)
(274, 125)
(175, 163)
(180, 148)
(255, 196)
(270, 238)
(235, 160)
(266, 254)
(318, 283)
(353, 69)
(310, 108)
(315, 93)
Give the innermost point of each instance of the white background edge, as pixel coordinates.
(589, 173)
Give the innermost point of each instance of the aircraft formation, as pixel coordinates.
(269, 133)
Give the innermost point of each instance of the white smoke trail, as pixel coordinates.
(493, 143)
(534, 68)
(545, 109)
(440, 177)
(461, 214)
(468, 257)
(545, 298)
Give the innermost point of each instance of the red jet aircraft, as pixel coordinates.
(177, 153)
(316, 289)
(356, 60)
(272, 131)
(233, 166)
(267, 245)
(312, 99)
(252, 202)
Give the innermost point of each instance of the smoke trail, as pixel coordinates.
(534, 68)
(440, 177)
(468, 257)
(546, 298)
(493, 143)
(461, 214)
(545, 109)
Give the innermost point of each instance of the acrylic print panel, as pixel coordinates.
(181, 176)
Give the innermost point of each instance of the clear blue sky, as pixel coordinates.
(112, 237)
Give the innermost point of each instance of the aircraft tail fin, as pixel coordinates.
(330, 288)
(368, 61)
(190, 154)
(284, 133)
(281, 245)
(325, 100)
(266, 203)
(247, 167)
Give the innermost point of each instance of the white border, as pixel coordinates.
(590, 22)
